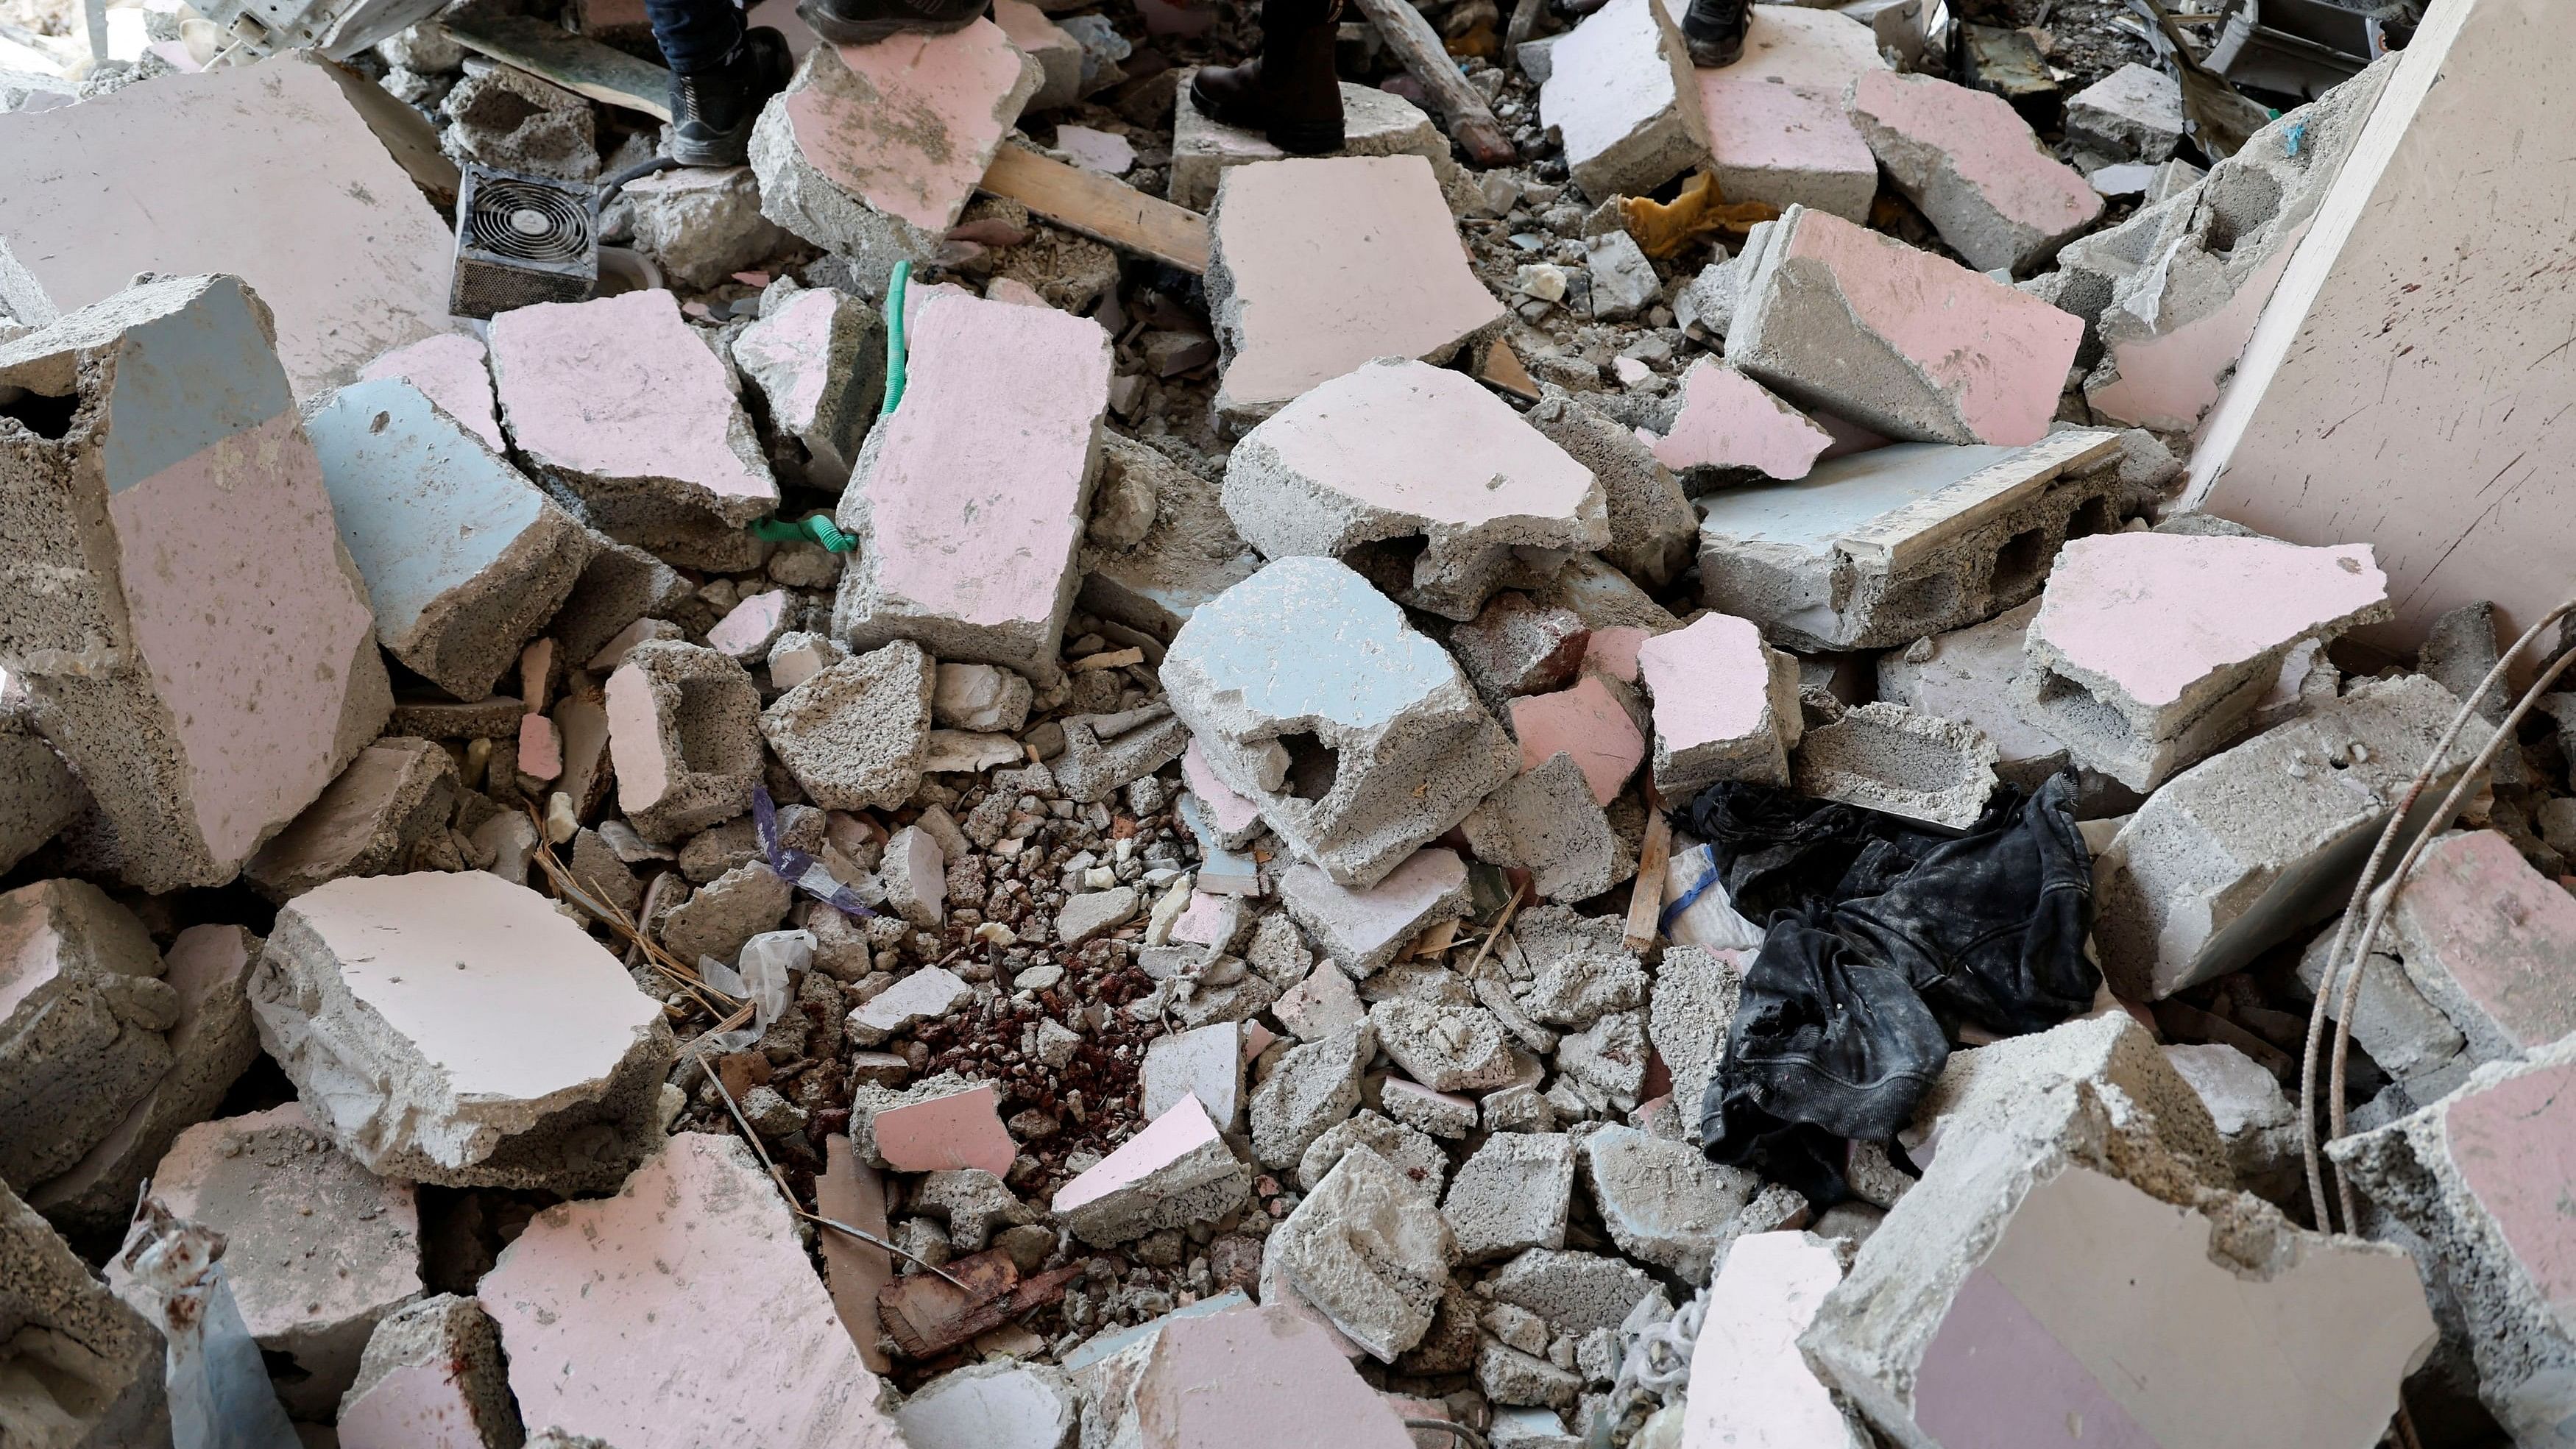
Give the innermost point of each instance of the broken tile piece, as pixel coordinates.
(464, 558)
(1257, 1378)
(2152, 650)
(450, 369)
(619, 404)
(207, 662)
(1175, 1172)
(1904, 342)
(318, 1249)
(1726, 705)
(1777, 127)
(1317, 266)
(1620, 91)
(1729, 421)
(1396, 450)
(1374, 123)
(969, 499)
(1877, 549)
(1974, 168)
(457, 1029)
(596, 1283)
(992, 1405)
(1364, 929)
(939, 1134)
(1588, 722)
(1355, 735)
(1748, 1386)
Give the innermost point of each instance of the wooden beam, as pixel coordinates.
(1100, 207)
(577, 63)
(1471, 122)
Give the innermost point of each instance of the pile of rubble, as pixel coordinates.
(1174, 856)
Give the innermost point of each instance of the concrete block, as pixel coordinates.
(1575, 1292)
(1362, 930)
(191, 635)
(618, 405)
(1578, 967)
(2070, 1252)
(969, 500)
(1652, 526)
(1356, 737)
(1448, 1048)
(83, 1020)
(1321, 1004)
(431, 1378)
(2476, 1175)
(623, 1278)
(511, 119)
(1206, 1064)
(1729, 423)
(1590, 722)
(1778, 129)
(1748, 1386)
(1516, 646)
(194, 177)
(1547, 823)
(1105, 753)
(1175, 1172)
(1609, 1056)
(607, 611)
(1663, 1202)
(1968, 675)
(2151, 651)
(452, 370)
(979, 697)
(39, 795)
(2391, 1021)
(720, 916)
(817, 357)
(1622, 281)
(2253, 1116)
(684, 734)
(1695, 995)
(1899, 761)
(1726, 705)
(702, 223)
(211, 1045)
(2135, 111)
(457, 1029)
(1876, 549)
(1000, 1405)
(388, 812)
(1186, 554)
(317, 1248)
(1974, 168)
(1621, 93)
(1396, 450)
(1414, 1156)
(1513, 1193)
(463, 558)
(1313, 1087)
(1374, 123)
(1317, 266)
(1232, 821)
(1903, 342)
(1440, 1114)
(89, 1370)
(1369, 1251)
(2234, 854)
(924, 995)
(855, 734)
(872, 151)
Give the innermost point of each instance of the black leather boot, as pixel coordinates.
(1289, 92)
(865, 22)
(712, 111)
(1715, 30)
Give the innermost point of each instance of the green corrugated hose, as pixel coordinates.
(819, 528)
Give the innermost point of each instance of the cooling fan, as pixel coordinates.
(522, 239)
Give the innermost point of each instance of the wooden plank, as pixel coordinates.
(1471, 122)
(1100, 207)
(578, 64)
(1646, 894)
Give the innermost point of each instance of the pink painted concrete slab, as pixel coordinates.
(681, 1313)
(1613, 651)
(962, 1129)
(1749, 1389)
(1728, 420)
(2501, 931)
(2001, 355)
(1776, 121)
(1974, 166)
(908, 125)
(1259, 1378)
(748, 627)
(621, 387)
(1711, 681)
(1183, 1128)
(2170, 380)
(2514, 1145)
(1203, 924)
(449, 369)
(540, 749)
(2156, 613)
(1587, 723)
(412, 1407)
(1229, 811)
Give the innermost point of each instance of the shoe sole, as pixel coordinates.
(869, 32)
(730, 151)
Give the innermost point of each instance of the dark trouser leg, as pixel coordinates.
(1289, 92)
(695, 35)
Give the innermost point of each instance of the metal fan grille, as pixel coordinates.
(529, 223)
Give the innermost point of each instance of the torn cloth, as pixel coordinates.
(1882, 939)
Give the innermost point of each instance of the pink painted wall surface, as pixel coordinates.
(908, 125)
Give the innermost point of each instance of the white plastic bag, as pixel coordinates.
(1697, 911)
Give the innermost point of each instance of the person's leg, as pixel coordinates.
(1715, 30)
(1288, 92)
(865, 22)
(721, 75)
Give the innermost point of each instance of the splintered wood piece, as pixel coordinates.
(926, 1316)
(1646, 894)
(577, 63)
